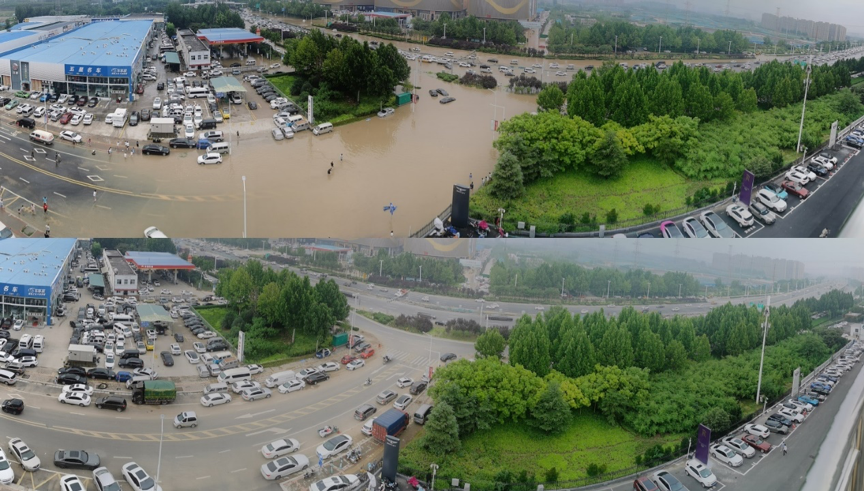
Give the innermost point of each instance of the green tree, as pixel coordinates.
(269, 306)
(667, 98)
(766, 42)
(96, 249)
(724, 106)
(650, 352)
(748, 101)
(717, 419)
(701, 349)
(241, 289)
(330, 295)
(550, 413)
(507, 178)
(442, 431)
(608, 158)
(490, 344)
(170, 30)
(616, 348)
(529, 346)
(676, 355)
(585, 100)
(665, 138)
(629, 104)
(550, 98)
(700, 104)
(575, 353)
(760, 166)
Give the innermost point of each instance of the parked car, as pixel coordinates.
(757, 430)
(757, 442)
(669, 230)
(760, 211)
(716, 226)
(699, 471)
(740, 214)
(771, 200)
(796, 189)
(739, 446)
(726, 455)
(776, 426)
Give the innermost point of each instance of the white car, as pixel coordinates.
(807, 172)
(157, 103)
(28, 459)
(771, 200)
(792, 415)
(402, 402)
(210, 158)
(757, 430)
(334, 446)
(7, 475)
(74, 398)
(206, 335)
(335, 483)
(284, 467)
(70, 482)
(191, 356)
(138, 478)
(255, 394)
(354, 365)
(291, 386)
(148, 372)
(109, 360)
(190, 74)
(78, 388)
(697, 470)
(739, 446)
(694, 229)
(330, 366)
(302, 374)
(802, 405)
(200, 348)
(40, 111)
(798, 177)
(274, 450)
(76, 120)
(726, 455)
(404, 382)
(242, 385)
(740, 214)
(189, 131)
(275, 65)
(215, 399)
(716, 226)
(175, 349)
(27, 361)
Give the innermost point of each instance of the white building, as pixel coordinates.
(121, 276)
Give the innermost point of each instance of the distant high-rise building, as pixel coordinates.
(818, 31)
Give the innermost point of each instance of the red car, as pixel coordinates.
(81, 102)
(65, 118)
(366, 354)
(796, 189)
(757, 443)
(348, 359)
(140, 89)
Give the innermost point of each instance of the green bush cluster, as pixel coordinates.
(447, 77)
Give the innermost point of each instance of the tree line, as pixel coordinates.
(545, 281)
(290, 9)
(270, 306)
(471, 28)
(407, 265)
(202, 16)
(600, 39)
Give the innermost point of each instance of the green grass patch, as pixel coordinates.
(213, 315)
(447, 77)
(441, 332)
(282, 82)
(643, 182)
(856, 81)
(589, 439)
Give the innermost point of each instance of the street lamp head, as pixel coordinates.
(244, 178)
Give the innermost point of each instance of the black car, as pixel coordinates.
(167, 359)
(152, 149)
(111, 402)
(817, 169)
(76, 459)
(252, 105)
(447, 100)
(316, 377)
(131, 363)
(145, 115)
(270, 97)
(101, 373)
(13, 406)
(442, 92)
(93, 101)
(433, 92)
(448, 356)
(160, 86)
(181, 143)
(781, 419)
(221, 345)
(4, 334)
(71, 379)
(418, 387)
(73, 370)
(492, 60)
(178, 337)
(73, 99)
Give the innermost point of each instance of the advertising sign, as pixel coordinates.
(311, 121)
(833, 138)
(98, 71)
(747, 187)
(241, 345)
(24, 291)
(702, 443)
(796, 382)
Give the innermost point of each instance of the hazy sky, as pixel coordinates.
(847, 13)
(831, 256)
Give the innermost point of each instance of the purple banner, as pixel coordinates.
(747, 187)
(702, 443)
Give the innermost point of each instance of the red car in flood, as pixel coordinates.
(348, 359)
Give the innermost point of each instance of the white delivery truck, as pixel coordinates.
(120, 117)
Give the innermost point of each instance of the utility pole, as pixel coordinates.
(660, 46)
(616, 46)
(804, 104)
(380, 266)
(765, 326)
(562, 287)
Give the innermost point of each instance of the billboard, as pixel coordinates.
(24, 291)
(796, 382)
(833, 138)
(501, 9)
(747, 187)
(430, 5)
(98, 71)
(702, 443)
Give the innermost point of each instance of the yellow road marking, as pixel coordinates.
(53, 476)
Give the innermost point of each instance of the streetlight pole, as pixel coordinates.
(765, 326)
(660, 46)
(161, 434)
(616, 46)
(380, 266)
(484, 35)
(648, 296)
(445, 31)
(434, 470)
(608, 285)
(244, 207)
(729, 53)
(421, 274)
(804, 105)
(562, 287)
(679, 290)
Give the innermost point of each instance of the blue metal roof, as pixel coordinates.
(157, 260)
(109, 43)
(24, 25)
(229, 35)
(33, 262)
(13, 35)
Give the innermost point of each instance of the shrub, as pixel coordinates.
(595, 470)
(612, 216)
(447, 77)
(382, 318)
(551, 475)
(481, 81)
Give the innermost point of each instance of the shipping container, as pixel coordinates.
(390, 423)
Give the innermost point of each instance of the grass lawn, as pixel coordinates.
(589, 439)
(644, 182)
(213, 315)
(282, 82)
(440, 332)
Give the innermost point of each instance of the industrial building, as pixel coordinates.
(122, 278)
(522, 10)
(33, 273)
(195, 53)
(75, 55)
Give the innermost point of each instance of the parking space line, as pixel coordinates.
(202, 477)
(53, 476)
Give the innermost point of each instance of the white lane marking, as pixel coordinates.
(203, 477)
(122, 457)
(121, 417)
(250, 415)
(184, 456)
(238, 470)
(278, 431)
(226, 450)
(79, 414)
(25, 180)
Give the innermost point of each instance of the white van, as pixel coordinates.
(217, 387)
(250, 62)
(322, 129)
(25, 341)
(137, 378)
(219, 147)
(43, 137)
(235, 375)
(7, 377)
(121, 318)
(279, 378)
(38, 343)
(292, 120)
(221, 355)
(154, 233)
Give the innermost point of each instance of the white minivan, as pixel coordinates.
(279, 378)
(322, 129)
(235, 375)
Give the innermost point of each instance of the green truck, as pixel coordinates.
(154, 392)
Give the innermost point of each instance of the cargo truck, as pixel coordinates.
(119, 118)
(81, 355)
(154, 392)
(390, 423)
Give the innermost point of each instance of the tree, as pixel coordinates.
(760, 166)
(551, 414)
(241, 288)
(550, 98)
(585, 100)
(676, 355)
(529, 346)
(628, 104)
(442, 431)
(724, 106)
(667, 98)
(608, 158)
(748, 100)
(650, 352)
(507, 178)
(490, 344)
(766, 42)
(96, 249)
(330, 295)
(170, 30)
(616, 348)
(269, 306)
(575, 353)
(700, 104)
(701, 349)
(667, 138)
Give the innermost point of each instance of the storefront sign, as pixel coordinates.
(98, 71)
(23, 291)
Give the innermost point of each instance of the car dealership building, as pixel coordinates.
(32, 275)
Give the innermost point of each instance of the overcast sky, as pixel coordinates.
(847, 13)
(828, 256)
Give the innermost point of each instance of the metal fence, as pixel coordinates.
(425, 229)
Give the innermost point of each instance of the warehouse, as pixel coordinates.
(122, 278)
(33, 273)
(195, 53)
(101, 59)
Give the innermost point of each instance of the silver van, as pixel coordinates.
(422, 414)
(279, 378)
(26, 341)
(38, 343)
(322, 129)
(220, 147)
(216, 388)
(7, 377)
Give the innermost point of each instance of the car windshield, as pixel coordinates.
(673, 231)
(331, 444)
(673, 482)
(4, 464)
(271, 466)
(705, 472)
(27, 454)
